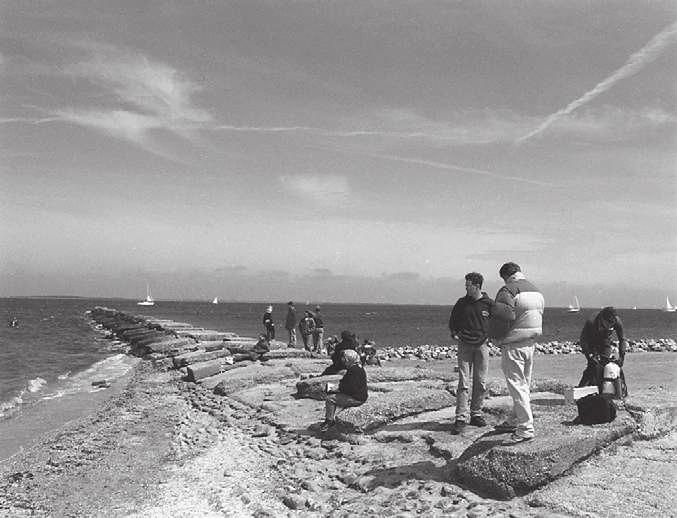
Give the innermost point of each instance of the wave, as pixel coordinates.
(36, 385)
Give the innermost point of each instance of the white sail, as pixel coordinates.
(669, 308)
(574, 307)
(148, 301)
(215, 301)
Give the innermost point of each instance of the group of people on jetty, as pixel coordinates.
(512, 320)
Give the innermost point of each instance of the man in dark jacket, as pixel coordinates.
(599, 349)
(352, 389)
(290, 324)
(348, 342)
(468, 324)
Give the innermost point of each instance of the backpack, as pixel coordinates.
(595, 409)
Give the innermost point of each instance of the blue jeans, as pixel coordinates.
(473, 360)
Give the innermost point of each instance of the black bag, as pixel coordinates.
(595, 409)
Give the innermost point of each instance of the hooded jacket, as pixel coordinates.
(527, 303)
(470, 319)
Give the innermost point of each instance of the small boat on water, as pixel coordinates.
(215, 301)
(669, 308)
(574, 307)
(148, 301)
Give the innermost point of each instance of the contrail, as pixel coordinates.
(634, 64)
(451, 167)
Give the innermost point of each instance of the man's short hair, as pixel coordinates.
(509, 269)
(475, 278)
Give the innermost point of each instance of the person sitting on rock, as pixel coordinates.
(599, 349)
(347, 343)
(352, 389)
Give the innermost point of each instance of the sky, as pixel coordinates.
(345, 151)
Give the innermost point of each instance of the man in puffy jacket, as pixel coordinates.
(520, 304)
(468, 324)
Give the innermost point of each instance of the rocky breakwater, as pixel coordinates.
(395, 453)
(443, 352)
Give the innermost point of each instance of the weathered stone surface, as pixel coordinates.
(207, 335)
(171, 347)
(252, 375)
(378, 374)
(286, 353)
(655, 413)
(489, 467)
(213, 381)
(636, 480)
(200, 355)
(200, 370)
(383, 407)
(314, 388)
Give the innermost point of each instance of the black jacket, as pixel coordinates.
(470, 319)
(354, 383)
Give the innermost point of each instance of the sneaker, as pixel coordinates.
(516, 439)
(327, 425)
(458, 427)
(477, 420)
(505, 426)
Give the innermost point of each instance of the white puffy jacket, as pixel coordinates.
(528, 304)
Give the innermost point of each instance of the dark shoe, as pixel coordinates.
(477, 420)
(458, 427)
(327, 425)
(505, 427)
(516, 439)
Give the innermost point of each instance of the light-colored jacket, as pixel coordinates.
(527, 303)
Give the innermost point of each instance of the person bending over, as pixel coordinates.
(599, 349)
(352, 389)
(347, 342)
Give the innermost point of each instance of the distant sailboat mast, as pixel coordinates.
(574, 307)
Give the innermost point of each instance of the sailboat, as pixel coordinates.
(669, 308)
(574, 307)
(148, 301)
(215, 301)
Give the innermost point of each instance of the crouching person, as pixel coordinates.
(352, 389)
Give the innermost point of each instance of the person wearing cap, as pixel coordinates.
(268, 324)
(352, 389)
(290, 323)
(307, 327)
(348, 342)
(599, 349)
(318, 334)
(520, 305)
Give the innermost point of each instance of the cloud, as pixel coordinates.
(142, 96)
(318, 188)
(610, 122)
(632, 66)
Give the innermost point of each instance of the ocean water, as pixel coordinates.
(56, 351)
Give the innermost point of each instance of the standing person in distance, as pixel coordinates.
(307, 327)
(290, 323)
(318, 334)
(268, 324)
(519, 312)
(469, 323)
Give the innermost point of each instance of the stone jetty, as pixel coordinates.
(280, 395)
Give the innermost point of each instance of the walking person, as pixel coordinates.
(520, 305)
(318, 334)
(307, 327)
(268, 324)
(468, 323)
(290, 323)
